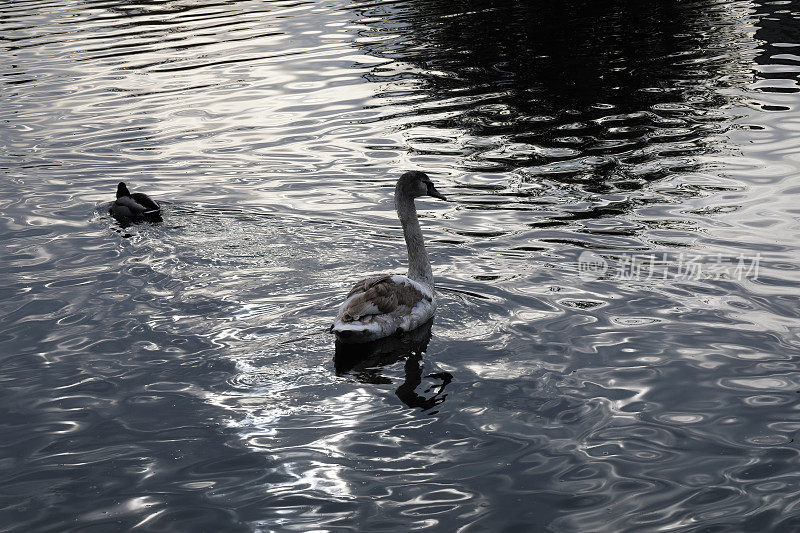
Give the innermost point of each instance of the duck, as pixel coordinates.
(134, 206)
(392, 304)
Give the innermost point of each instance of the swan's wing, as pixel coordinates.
(381, 295)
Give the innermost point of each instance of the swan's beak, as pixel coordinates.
(436, 194)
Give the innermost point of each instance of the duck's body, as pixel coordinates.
(134, 206)
(384, 305)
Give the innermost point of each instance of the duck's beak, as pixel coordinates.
(436, 194)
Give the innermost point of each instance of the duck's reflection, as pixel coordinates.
(365, 362)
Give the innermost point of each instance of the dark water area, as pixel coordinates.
(618, 270)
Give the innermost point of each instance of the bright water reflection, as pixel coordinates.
(179, 377)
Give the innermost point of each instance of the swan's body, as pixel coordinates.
(134, 206)
(380, 306)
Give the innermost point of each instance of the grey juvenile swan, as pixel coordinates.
(383, 305)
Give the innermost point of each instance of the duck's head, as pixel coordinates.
(122, 190)
(415, 184)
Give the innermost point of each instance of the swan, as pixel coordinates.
(383, 305)
(134, 206)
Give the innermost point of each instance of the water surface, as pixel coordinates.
(179, 376)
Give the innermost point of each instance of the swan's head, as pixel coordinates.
(414, 184)
(122, 190)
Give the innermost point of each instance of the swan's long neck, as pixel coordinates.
(419, 267)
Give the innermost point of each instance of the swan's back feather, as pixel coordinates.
(380, 295)
(378, 306)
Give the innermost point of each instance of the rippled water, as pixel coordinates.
(178, 376)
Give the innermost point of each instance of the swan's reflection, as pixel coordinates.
(364, 361)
